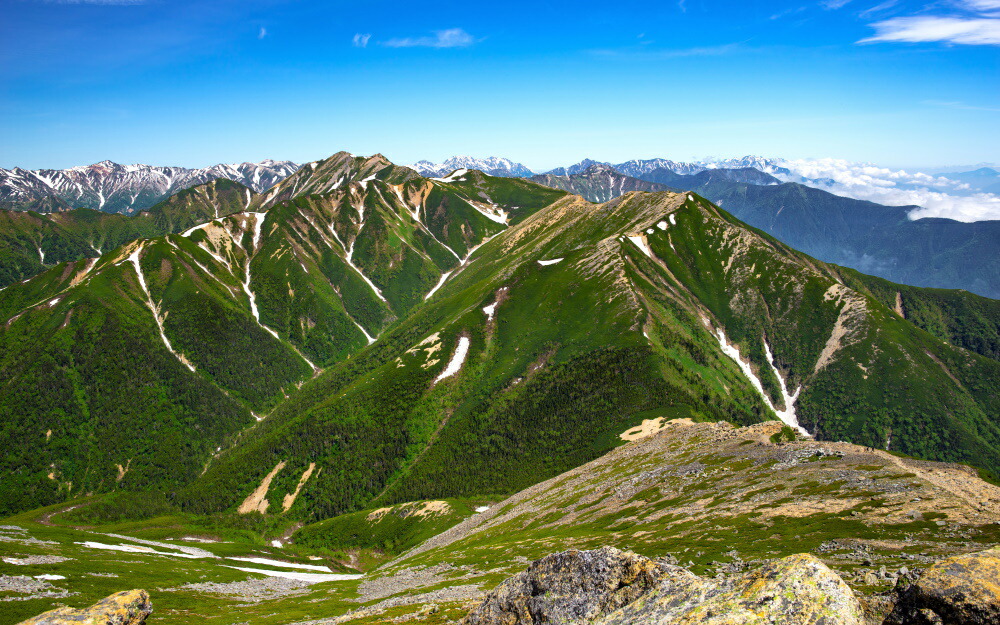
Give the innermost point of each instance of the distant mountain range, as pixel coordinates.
(495, 166)
(872, 238)
(114, 188)
(983, 180)
(491, 165)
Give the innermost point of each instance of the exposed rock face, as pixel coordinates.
(797, 590)
(569, 587)
(964, 590)
(129, 607)
(610, 587)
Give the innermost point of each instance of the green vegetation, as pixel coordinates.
(84, 233)
(557, 360)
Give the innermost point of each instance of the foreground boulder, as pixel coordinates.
(569, 587)
(797, 590)
(964, 590)
(129, 607)
(611, 587)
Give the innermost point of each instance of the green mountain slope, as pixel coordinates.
(457, 337)
(231, 314)
(869, 237)
(583, 321)
(30, 242)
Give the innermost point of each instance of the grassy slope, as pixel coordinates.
(80, 233)
(869, 237)
(307, 294)
(536, 398)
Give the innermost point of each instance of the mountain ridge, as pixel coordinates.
(112, 187)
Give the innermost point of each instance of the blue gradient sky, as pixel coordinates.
(176, 82)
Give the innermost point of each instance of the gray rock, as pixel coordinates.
(797, 590)
(570, 587)
(611, 587)
(964, 590)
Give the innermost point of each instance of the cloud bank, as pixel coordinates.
(935, 195)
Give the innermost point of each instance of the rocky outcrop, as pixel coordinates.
(611, 587)
(569, 587)
(964, 590)
(796, 590)
(129, 607)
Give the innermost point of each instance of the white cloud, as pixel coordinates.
(865, 181)
(450, 38)
(834, 4)
(969, 31)
(361, 40)
(262, 33)
(982, 5)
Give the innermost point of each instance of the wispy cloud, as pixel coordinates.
(833, 5)
(361, 40)
(969, 31)
(646, 52)
(262, 33)
(974, 22)
(787, 12)
(878, 8)
(450, 38)
(982, 5)
(962, 106)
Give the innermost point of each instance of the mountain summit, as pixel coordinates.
(114, 188)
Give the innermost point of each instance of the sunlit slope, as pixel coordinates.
(228, 315)
(585, 320)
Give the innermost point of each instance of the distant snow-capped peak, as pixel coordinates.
(117, 188)
(492, 165)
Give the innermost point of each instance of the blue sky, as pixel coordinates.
(176, 82)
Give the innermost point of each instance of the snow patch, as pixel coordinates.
(437, 286)
(482, 508)
(456, 361)
(134, 549)
(545, 263)
(313, 578)
(454, 177)
(153, 308)
(490, 310)
(50, 577)
(640, 242)
(787, 416)
(673, 219)
(662, 225)
(280, 563)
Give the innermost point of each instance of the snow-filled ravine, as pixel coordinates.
(787, 416)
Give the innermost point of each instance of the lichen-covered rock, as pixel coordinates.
(569, 587)
(129, 607)
(797, 590)
(964, 590)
